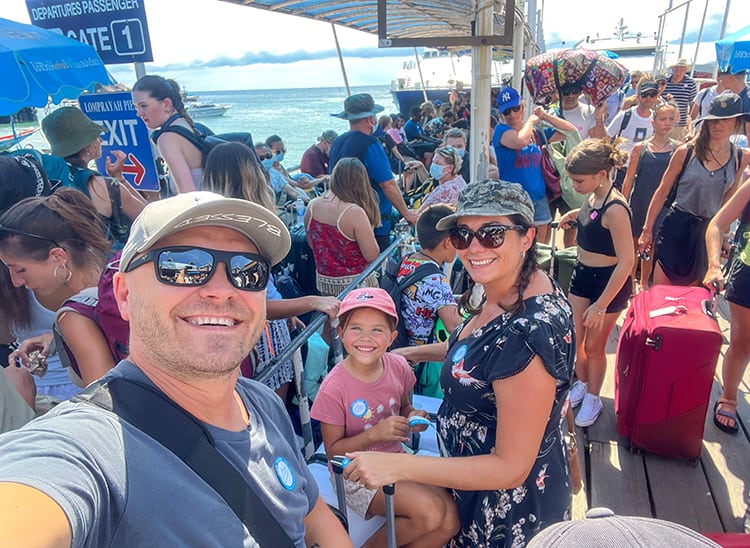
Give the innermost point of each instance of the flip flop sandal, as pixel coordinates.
(733, 416)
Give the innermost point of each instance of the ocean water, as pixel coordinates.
(298, 116)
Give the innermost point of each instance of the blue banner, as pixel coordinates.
(117, 29)
(125, 132)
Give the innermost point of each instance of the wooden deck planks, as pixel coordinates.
(680, 493)
(618, 480)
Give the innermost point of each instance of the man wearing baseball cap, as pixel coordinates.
(361, 112)
(315, 159)
(118, 466)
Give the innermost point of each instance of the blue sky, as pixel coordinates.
(208, 44)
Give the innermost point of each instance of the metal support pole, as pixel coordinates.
(341, 60)
(140, 70)
(518, 48)
(684, 30)
(481, 76)
(698, 41)
(421, 78)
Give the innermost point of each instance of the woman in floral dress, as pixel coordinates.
(506, 376)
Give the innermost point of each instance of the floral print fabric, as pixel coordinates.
(467, 419)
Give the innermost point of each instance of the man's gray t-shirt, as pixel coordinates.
(119, 487)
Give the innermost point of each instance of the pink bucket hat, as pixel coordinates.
(369, 297)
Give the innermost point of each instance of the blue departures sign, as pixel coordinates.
(125, 132)
(117, 29)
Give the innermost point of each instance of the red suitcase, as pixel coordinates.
(665, 363)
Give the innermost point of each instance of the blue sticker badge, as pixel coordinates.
(358, 408)
(459, 354)
(284, 473)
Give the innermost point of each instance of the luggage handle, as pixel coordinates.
(709, 306)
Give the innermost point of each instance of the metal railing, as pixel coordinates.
(292, 351)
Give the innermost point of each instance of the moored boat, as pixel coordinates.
(440, 70)
(206, 110)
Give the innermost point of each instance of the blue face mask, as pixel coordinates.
(436, 171)
(461, 152)
(278, 157)
(267, 164)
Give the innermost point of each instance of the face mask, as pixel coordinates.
(267, 164)
(278, 157)
(461, 152)
(436, 171)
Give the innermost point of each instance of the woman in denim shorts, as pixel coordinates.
(738, 295)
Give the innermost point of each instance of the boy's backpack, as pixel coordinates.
(99, 305)
(205, 139)
(395, 289)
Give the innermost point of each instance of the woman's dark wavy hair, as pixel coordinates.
(528, 268)
(161, 88)
(66, 219)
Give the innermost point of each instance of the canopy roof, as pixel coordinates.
(421, 22)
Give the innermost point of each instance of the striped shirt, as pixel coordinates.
(683, 94)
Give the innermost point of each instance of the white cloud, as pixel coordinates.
(185, 31)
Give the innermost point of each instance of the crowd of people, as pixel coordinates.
(659, 184)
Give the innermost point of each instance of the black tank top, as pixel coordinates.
(592, 236)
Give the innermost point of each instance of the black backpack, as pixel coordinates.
(205, 139)
(395, 289)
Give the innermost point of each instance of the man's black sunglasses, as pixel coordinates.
(194, 266)
(569, 92)
(649, 94)
(490, 236)
(511, 109)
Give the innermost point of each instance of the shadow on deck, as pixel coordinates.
(707, 496)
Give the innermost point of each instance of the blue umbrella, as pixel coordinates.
(734, 50)
(37, 64)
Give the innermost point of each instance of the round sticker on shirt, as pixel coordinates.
(358, 408)
(284, 473)
(460, 353)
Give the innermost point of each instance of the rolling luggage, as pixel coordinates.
(665, 363)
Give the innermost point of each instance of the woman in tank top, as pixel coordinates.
(340, 228)
(600, 285)
(709, 178)
(158, 102)
(53, 247)
(648, 162)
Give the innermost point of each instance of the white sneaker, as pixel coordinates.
(577, 393)
(590, 410)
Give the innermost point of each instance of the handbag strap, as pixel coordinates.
(149, 410)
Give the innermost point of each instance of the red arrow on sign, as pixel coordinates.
(136, 168)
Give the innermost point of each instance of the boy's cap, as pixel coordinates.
(369, 297)
(190, 209)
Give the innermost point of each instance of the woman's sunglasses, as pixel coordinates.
(447, 152)
(16, 232)
(266, 156)
(507, 111)
(194, 266)
(489, 237)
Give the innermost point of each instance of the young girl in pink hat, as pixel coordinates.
(364, 404)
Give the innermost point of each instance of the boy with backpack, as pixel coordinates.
(421, 291)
